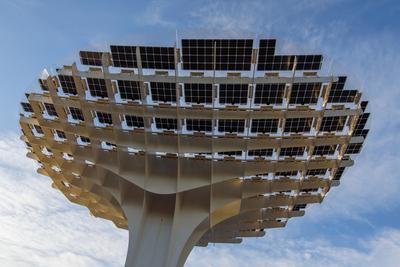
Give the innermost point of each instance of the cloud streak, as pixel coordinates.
(280, 251)
(40, 227)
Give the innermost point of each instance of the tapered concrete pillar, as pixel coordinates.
(163, 229)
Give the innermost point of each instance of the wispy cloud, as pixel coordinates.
(38, 221)
(280, 251)
(154, 15)
(40, 227)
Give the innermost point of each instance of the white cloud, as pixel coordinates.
(154, 15)
(280, 251)
(40, 227)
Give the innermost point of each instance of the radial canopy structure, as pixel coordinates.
(211, 140)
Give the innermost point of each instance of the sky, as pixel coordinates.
(358, 224)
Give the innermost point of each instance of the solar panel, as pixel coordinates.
(308, 62)
(354, 148)
(97, 87)
(342, 96)
(38, 129)
(292, 151)
(163, 92)
(305, 93)
(199, 125)
(230, 54)
(124, 56)
(298, 207)
(198, 93)
(286, 173)
(339, 173)
(267, 47)
(330, 124)
(268, 61)
(61, 134)
(76, 114)
(166, 123)
(230, 153)
(364, 105)
(134, 121)
(104, 117)
(309, 190)
(157, 57)
(296, 125)
(233, 93)
(337, 93)
(339, 84)
(111, 144)
(27, 107)
(264, 125)
(361, 132)
(67, 84)
(129, 90)
(324, 150)
(91, 58)
(51, 110)
(231, 126)
(316, 172)
(362, 121)
(269, 93)
(43, 84)
(261, 152)
(84, 139)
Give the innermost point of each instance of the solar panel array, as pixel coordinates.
(199, 125)
(76, 114)
(124, 56)
(231, 126)
(97, 87)
(166, 123)
(292, 151)
(163, 92)
(305, 93)
(255, 128)
(134, 121)
(324, 150)
(104, 117)
(198, 93)
(264, 125)
(151, 57)
(157, 57)
(267, 60)
(269, 93)
(51, 110)
(27, 107)
(233, 93)
(68, 84)
(217, 54)
(129, 90)
(91, 58)
(338, 94)
(332, 124)
(296, 125)
(261, 152)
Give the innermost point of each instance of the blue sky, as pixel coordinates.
(357, 225)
